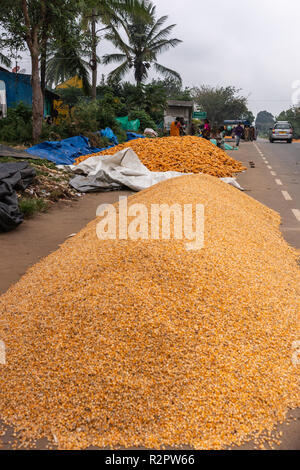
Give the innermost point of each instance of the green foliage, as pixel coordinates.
(155, 100)
(70, 97)
(173, 89)
(96, 140)
(221, 103)
(264, 121)
(150, 98)
(17, 126)
(293, 116)
(95, 115)
(144, 118)
(29, 206)
(120, 134)
(146, 38)
(66, 57)
(4, 59)
(108, 110)
(30, 24)
(85, 116)
(249, 116)
(65, 129)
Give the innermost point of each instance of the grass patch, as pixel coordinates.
(40, 162)
(8, 159)
(30, 207)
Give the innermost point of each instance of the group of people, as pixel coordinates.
(248, 133)
(206, 131)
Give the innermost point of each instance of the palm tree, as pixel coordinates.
(106, 12)
(66, 59)
(145, 40)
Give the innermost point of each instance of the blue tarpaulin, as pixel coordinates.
(133, 136)
(64, 152)
(108, 133)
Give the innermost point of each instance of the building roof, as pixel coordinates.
(178, 103)
(75, 82)
(52, 94)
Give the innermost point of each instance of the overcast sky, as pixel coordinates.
(251, 44)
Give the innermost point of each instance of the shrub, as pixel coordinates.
(120, 133)
(97, 141)
(17, 126)
(29, 206)
(144, 118)
(108, 109)
(86, 116)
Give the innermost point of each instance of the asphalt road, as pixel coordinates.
(275, 181)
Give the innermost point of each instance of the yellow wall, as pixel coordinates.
(74, 81)
(63, 111)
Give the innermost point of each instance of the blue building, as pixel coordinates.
(16, 87)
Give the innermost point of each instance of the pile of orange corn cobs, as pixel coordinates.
(183, 154)
(143, 343)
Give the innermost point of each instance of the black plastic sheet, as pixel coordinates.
(13, 177)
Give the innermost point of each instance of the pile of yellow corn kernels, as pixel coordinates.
(143, 343)
(184, 154)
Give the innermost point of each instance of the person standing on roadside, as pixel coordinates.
(207, 130)
(238, 131)
(222, 132)
(175, 128)
(182, 127)
(247, 133)
(218, 134)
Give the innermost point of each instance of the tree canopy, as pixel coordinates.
(264, 121)
(145, 40)
(221, 103)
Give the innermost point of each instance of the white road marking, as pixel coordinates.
(286, 196)
(273, 173)
(266, 162)
(279, 182)
(270, 168)
(296, 213)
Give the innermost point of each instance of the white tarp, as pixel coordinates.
(123, 169)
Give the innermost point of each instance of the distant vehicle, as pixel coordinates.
(281, 131)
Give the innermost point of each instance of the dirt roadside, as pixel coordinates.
(37, 237)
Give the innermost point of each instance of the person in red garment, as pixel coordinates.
(206, 130)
